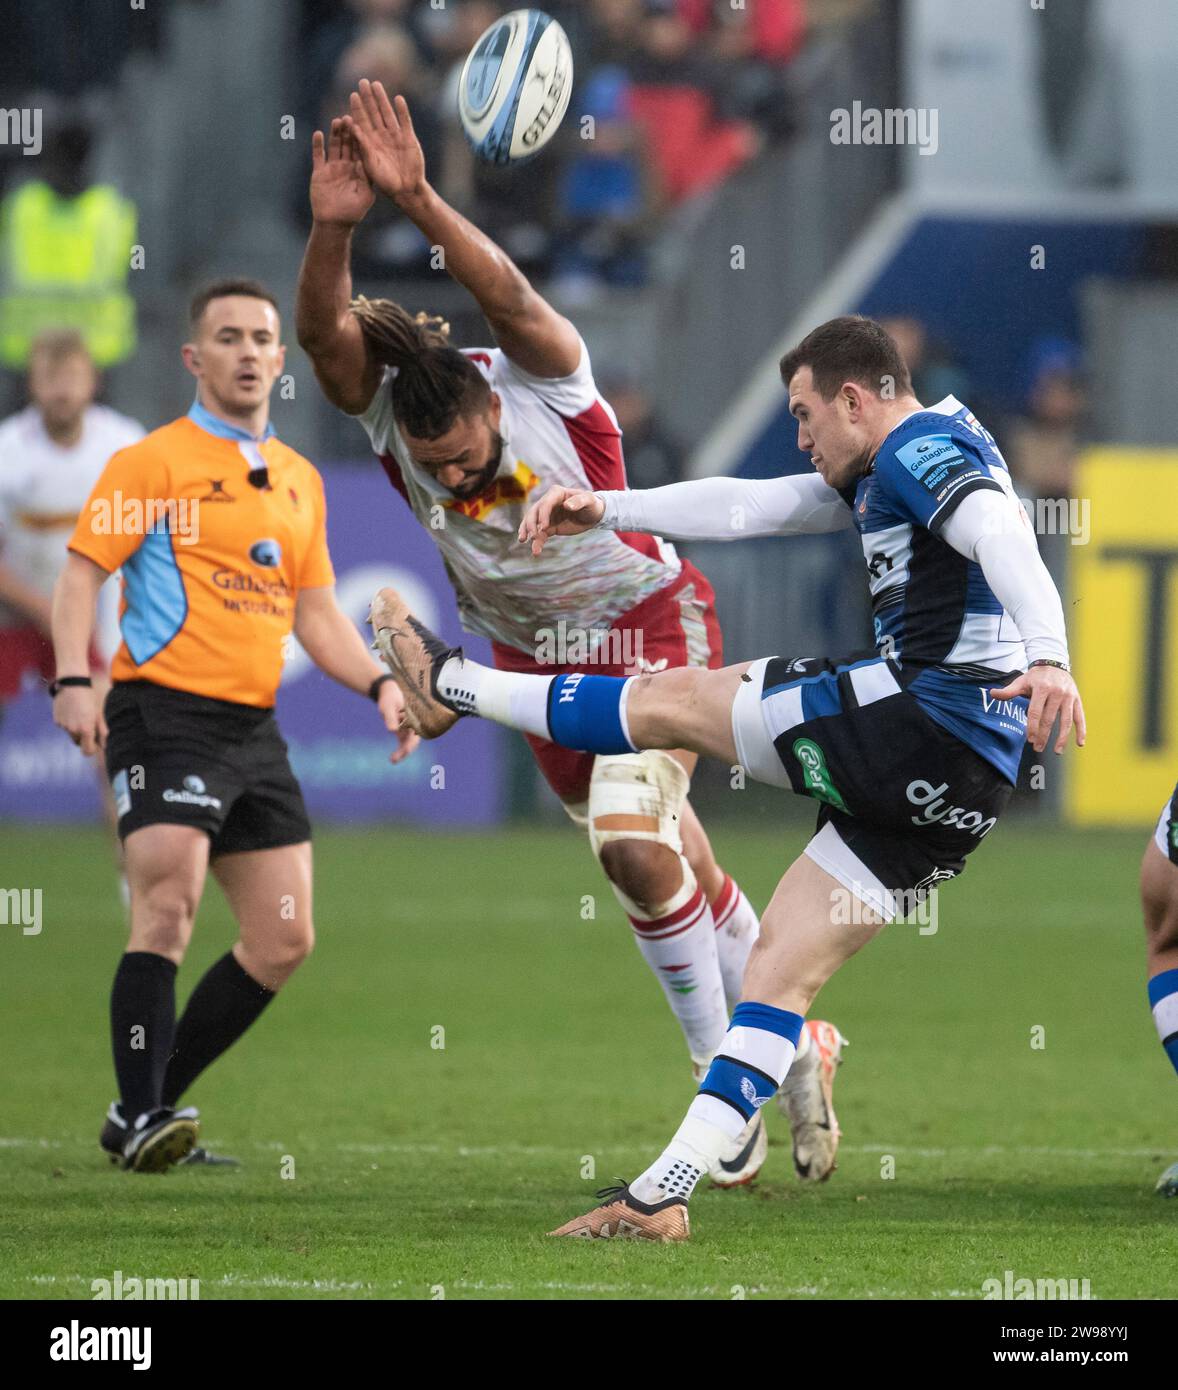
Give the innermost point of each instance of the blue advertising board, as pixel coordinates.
(339, 747)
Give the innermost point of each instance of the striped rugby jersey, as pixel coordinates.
(556, 431)
(932, 610)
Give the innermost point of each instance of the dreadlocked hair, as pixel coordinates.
(435, 384)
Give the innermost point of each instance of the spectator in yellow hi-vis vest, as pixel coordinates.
(65, 255)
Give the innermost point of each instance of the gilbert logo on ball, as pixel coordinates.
(515, 87)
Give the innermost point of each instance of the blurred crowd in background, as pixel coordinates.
(673, 96)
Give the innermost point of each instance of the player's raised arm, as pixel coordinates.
(327, 331)
(716, 509)
(528, 329)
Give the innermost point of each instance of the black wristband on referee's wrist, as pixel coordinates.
(374, 688)
(62, 681)
(1059, 665)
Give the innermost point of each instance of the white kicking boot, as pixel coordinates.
(806, 1099)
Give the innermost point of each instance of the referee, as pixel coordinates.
(219, 530)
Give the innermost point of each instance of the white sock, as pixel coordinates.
(507, 697)
(680, 948)
(754, 1058)
(737, 928)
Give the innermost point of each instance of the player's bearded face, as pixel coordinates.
(61, 391)
(237, 354)
(466, 458)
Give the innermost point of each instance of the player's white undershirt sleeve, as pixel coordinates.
(991, 528)
(729, 509)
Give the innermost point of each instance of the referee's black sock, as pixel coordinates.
(219, 1010)
(142, 1022)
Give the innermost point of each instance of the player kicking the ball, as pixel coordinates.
(1159, 899)
(912, 750)
(468, 438)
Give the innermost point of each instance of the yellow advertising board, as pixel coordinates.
(1122, 611)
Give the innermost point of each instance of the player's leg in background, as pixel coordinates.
(695, 705)
(166, 867)
(733, 915)
(635, 814)
(637, 811)
(1159, 901)
(269, 893)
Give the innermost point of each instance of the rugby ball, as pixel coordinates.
(515, 87)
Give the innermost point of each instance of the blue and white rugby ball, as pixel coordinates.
(515, 87)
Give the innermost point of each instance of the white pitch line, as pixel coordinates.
(1000, 1150)
(564, 1151)
(240, 1281)
(542, 1150)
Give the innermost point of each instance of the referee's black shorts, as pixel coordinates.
(180, 759)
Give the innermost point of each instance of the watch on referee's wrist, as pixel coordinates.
(374, 688)
(63, 681)
(1059, 665)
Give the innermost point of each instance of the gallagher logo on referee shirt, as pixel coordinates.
(267, 553)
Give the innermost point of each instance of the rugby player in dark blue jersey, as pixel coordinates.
(1159, 901)
(911, 750)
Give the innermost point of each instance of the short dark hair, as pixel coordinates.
(850, 348)
(222, 289)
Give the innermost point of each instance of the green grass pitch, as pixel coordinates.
(416, 1171)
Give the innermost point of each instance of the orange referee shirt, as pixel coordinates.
(211, 564)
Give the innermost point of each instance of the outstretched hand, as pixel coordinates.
(562, 511)
(340, 191)
(383, 134)
(1052, 692)
(391, 704)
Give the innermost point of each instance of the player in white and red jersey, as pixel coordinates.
(51, 454)
(469, 438)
